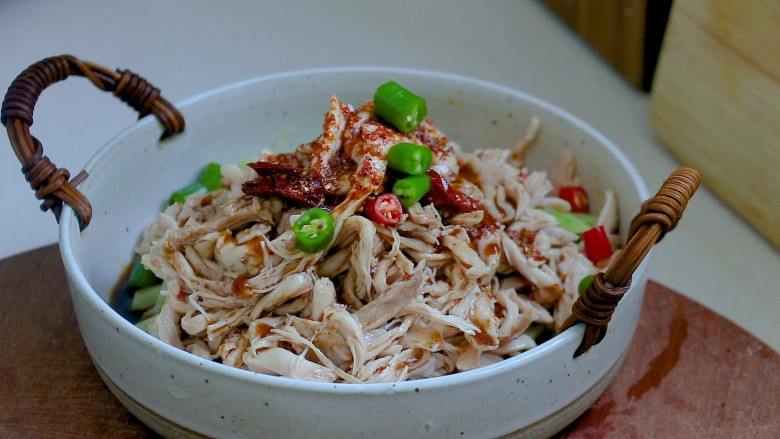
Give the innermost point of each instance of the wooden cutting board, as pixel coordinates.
(689, 372)
(715, 101)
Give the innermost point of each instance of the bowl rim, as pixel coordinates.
(68, 228)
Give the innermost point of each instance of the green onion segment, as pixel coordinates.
(584, 283)
(211, 177)
(180, 195)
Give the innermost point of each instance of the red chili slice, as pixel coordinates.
(577, 198)
(597, 245)
(384, 209)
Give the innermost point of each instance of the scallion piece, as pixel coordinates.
(399, 107)
(146, 298)
(583, 285)
(140, 276)
(211, 177)
(180, 195)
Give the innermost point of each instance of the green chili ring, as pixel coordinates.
(399, 107)
(411, 189)
(314, 230)
(409, 158)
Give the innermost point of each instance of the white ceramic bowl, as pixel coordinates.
(178, 394)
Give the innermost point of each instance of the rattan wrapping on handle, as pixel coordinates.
(51, 184)
(658, 216)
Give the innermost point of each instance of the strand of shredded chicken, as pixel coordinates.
(444, 291)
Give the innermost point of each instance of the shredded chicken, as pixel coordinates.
(455, 286)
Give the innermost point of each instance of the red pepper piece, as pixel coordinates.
(303, 191)
(272, 168)
(577, 198)
(384, 209)
(443, 195)
(597, 245)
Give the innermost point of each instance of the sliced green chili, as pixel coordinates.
(399, 107)
(180, 195)
(410, 189)
(314, 230)
(211, 177)
(573, 222)
(584, 283)
(145, 298)
(409, 158)
(140, 276)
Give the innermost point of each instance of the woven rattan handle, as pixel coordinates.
(658, 216)
(52, 184)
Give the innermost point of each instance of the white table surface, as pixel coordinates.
(187, 47)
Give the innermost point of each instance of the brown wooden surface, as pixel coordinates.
(626, 33)
(689, 372)
(716, 98)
